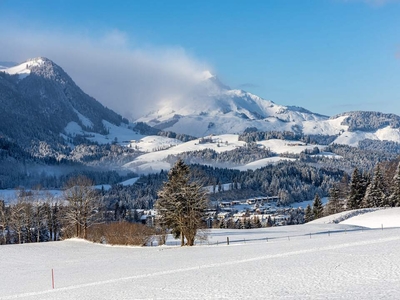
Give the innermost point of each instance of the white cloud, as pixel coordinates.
(131, 81)
(115, 39)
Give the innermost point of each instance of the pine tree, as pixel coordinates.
(375, 194)
(318, 209)
(395, 195)
(308, 214)
(269, 222)
(343, 187)
(333, 206)
(356, 193)
(181, 204)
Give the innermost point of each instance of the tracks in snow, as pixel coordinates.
(208, 266)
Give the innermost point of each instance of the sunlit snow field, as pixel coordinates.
(312, 261)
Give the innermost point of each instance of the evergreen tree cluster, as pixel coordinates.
(238, 156)
(291, 181)
(253, 135)
(379, 146)
(369, 120)
(379, 188)
(352, 157)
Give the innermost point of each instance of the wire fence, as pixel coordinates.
(228, 240)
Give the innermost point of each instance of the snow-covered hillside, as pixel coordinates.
(334, 262)
(121, 134)
(366, 217)
(156, 159)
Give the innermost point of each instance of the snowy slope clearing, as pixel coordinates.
(366, 217)
(155, 161)
(291, 264)
(121, 134)
(262, 163)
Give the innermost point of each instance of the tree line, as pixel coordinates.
(81, 212)
(378, 188)
(35, 217)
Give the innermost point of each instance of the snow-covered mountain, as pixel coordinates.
(43, 110)
(214, 108)
(39, 102)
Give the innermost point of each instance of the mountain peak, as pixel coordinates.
(37, 61)
(24, 69)
(214, 108)
(46, 102)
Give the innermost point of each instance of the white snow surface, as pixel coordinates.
(130, 181)
(122, 134)
(213, 108)
(365, 217)
(24, 69)
(154, 143)
(85, 121)
(155, 161)
(311, 261)
(382, 134)
(389, 217)
(284, 146)
(262, 163)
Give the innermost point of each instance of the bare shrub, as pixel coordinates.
(122, 233)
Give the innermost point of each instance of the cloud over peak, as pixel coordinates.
(130, 80)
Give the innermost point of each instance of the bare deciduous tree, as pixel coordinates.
(4, 220)
(18, 220)
(84, 205)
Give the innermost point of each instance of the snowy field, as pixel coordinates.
(335, 262)
(155, 160)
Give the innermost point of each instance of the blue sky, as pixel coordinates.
(329, 56)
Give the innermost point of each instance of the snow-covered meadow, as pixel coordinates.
(335, 261)
(159, 148)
